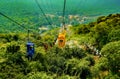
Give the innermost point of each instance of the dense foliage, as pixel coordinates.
(112, 52)
(78, 61)
(105, 30)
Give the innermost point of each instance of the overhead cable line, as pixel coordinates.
(23, 27)
(43, 12)
(64, 6)
(12, 20)
(15, 22)
(52, 8)
(49, 9)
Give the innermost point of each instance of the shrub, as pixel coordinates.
(13, 47)
(74, 52)
(38, 75)
(66, 77)
(103, 64)
(100, 33)
(112, 52)
(91, 60)
(75, 67)
(11, 67)
(111, 76)
(114, 35)
(55, 63)
(35, 66)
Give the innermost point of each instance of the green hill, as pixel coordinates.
(27, 13)
(94, 53)
(106, 29)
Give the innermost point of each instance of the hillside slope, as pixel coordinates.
(70, 62)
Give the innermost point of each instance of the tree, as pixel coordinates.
(114, 35)
(76, 67)
(112, 52)
(100, 33)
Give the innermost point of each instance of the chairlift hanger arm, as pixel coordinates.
(64, 7)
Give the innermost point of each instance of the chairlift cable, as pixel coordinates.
(12, 20)
(23, 27)
(64, 6)
(52, 8)
(49, 9)
(43, 12)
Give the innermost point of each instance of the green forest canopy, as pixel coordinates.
(27, 12)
